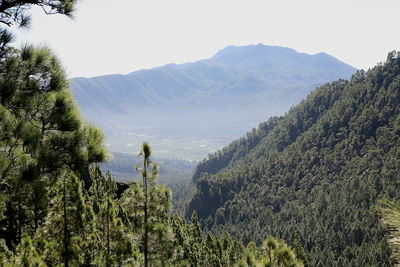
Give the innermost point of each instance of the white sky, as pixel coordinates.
(120, 36)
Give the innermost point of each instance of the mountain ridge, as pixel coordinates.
(230, 90)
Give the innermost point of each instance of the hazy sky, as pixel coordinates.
(120, 36)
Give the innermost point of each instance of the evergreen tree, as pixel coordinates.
(272, 253)
(390, 211)
(147, 206)
(116, 244)
(14, 12)
(63, 231)
(26, 255)
(42, 135)
(299, 250)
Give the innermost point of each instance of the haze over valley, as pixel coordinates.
(190, 110)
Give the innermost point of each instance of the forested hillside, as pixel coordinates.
(315, 174)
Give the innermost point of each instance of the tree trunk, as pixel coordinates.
(65, 225)
(146, 234)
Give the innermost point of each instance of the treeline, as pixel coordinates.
(315, 174)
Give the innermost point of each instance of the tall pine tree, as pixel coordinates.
(42, 136)
(147, 205)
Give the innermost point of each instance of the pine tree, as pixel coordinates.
(116, 246)
(390, 211)
(14, 12)
(42, 136)
(147, 206)
(146, 152)
(63, 230)
(275, 253)
(299, 250)
(26, 255)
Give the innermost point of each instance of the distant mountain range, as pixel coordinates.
(192, 109)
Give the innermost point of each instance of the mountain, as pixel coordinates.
(185, 110)
(314, 174)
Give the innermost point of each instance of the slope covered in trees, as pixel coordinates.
(315, 174)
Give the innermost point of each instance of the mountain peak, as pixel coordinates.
(260, 49)
(229, 50)
(240, 86)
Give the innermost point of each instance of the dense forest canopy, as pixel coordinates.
(315, 173)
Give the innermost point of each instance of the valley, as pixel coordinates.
(190, 110)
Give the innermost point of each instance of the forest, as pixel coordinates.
(318, 186)
(57, 207)
(326, 164)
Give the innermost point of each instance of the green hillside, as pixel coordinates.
(315, 173)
